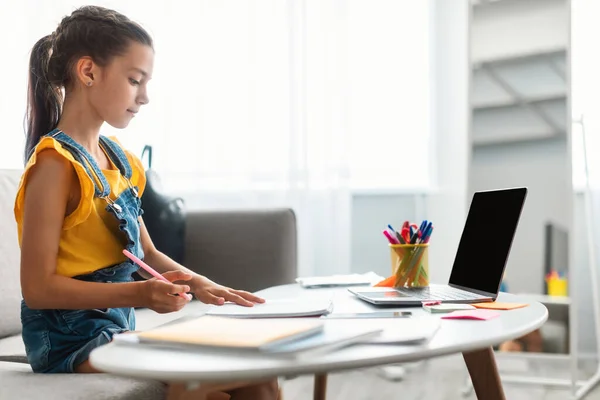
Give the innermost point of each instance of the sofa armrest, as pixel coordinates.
(249, 249)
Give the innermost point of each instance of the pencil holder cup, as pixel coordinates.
(557, 287)
(410, 264)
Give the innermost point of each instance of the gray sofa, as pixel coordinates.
(248, 250)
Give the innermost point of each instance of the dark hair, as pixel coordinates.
(91, 31)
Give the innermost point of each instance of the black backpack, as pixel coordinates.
(164, 216)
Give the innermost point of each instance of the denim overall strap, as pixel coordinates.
(84, 158)
(117, 156)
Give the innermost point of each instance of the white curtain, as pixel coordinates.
(585, 85)
(269, 103)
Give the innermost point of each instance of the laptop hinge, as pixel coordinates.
(479, 292)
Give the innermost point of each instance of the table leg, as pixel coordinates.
(484, 374)
(320, 389)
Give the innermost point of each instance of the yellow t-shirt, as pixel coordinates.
(90, 239)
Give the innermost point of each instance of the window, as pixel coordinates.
(262, 93)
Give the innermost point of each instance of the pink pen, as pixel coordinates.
(151, 271)
(390, 238)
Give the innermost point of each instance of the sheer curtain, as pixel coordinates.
(585, 85)
(270, 103)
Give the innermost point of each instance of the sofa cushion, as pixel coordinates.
(243, 249)
(10, 286)
(12, 346)
(18, 382)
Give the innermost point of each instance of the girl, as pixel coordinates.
(78, 204)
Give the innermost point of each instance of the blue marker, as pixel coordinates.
(422, 227)
(427, 233)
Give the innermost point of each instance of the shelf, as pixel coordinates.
(511, 102)
(514, 137)
(479, 3)
(521, 56)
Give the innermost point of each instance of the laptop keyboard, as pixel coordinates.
(442, 293)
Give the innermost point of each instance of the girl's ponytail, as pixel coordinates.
(44, 99)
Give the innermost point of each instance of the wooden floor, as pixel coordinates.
(438, 379)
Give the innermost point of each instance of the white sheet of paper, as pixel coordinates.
(368, 278)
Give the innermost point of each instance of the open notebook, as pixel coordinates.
(275, 309)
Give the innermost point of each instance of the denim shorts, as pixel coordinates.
(56, 341)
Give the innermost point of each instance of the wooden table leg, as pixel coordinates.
(320, 389)
(484, 374)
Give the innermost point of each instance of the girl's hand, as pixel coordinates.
(160, 296)
(210, 292)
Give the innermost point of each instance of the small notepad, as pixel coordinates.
(496, 305)
(472, 314)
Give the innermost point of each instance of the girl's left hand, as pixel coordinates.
(210, 292)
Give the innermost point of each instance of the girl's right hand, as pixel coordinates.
(160, 296)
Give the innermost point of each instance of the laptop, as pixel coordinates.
(480, 259)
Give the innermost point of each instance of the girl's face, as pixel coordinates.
(121, 89)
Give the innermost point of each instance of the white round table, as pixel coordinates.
(472, 338)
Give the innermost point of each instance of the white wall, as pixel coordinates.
(446, 207)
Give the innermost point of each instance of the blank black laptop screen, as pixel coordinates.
(486, 239)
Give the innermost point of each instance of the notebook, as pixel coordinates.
(228, 333)
(281, 337)
(275, 309)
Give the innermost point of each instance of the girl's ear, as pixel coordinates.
(86, 71)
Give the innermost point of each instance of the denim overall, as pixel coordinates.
(59, 340)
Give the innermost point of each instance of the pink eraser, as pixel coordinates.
(479, 314)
